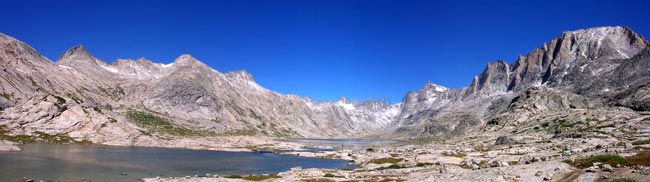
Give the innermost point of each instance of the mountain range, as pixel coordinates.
(86, 98)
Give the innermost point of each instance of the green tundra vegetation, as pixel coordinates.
(161, 125)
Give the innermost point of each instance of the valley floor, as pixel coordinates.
(575, 145)
(465, 161)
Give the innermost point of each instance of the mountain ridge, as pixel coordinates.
(191, 95)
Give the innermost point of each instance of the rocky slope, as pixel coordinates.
(603, 67)
(135, 101)
(139, 101)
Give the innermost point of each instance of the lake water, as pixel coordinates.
(340, 144)
(111, 163)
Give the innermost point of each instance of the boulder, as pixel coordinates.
(504, 140)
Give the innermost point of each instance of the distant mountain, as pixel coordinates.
(131, 101)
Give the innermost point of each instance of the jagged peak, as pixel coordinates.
(432, 86)
(497, 63)
(144, 60)
(187, 60)
(76, 52)
(599, 31)
(344, 100)
(241, 74)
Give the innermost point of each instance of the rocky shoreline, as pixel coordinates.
(8, 146)
(464, 161)
(465, 158)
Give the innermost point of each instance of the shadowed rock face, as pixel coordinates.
(87, 98)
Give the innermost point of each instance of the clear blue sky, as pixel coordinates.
(320, 49)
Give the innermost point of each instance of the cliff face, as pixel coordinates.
(603, 64)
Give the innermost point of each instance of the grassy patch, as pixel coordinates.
(386, 160)
(19, 138)
(234, 176)
(426, 140)
(155, 123)
(393, 166)
(59, 100)
(606, 159)
(242, 132)
(260, 178)
(422, 164)
(39, 137)
(59, 139)
(329, 175)
(346, 169)
(641, 142)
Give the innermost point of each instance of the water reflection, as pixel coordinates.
(107, 163)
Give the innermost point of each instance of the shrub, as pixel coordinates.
(59, 100)
(260, 178)
(97, 109)
(329, 175)
(234, 176)
(423, 164)
(386, 160)
(641, 142)
(393, 166)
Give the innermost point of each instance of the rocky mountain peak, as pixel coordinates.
(240, 74)
(434, 87)
(77, 52)
(188, 61)
(344, 100)
(185, 58)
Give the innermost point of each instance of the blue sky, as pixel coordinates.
(370, 49)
